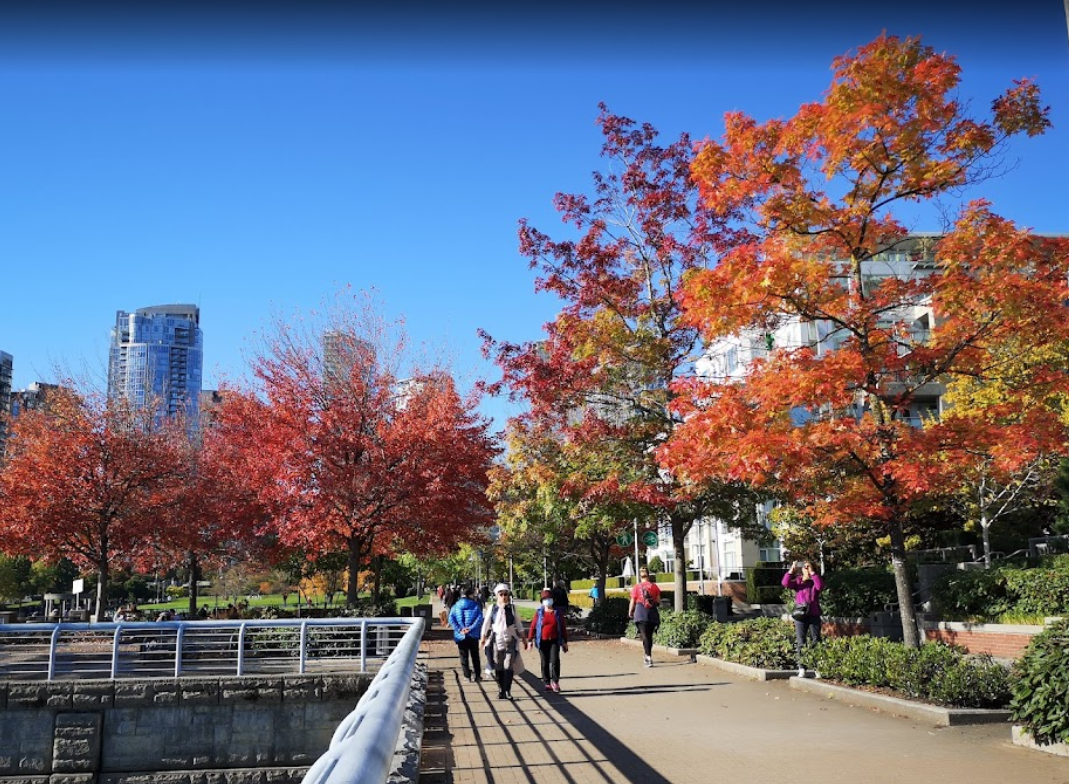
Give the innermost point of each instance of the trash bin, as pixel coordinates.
(406, 612)
(8, 616)
(721, 608)
(423, 611)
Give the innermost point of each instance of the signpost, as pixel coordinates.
(625, 538)
(650, 539)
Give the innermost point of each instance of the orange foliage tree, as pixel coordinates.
(90, 480)
(601, 379)
(352, 456)
(814, 199)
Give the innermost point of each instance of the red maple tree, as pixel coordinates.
(891, 317)
(90, 480)
(349, 455)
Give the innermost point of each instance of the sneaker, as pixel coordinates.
(556, 687)
(501, 695)
(508, 696)
(647, 660)
(801, 672)
(548, 687)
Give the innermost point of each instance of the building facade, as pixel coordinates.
(156, 359)
(7, 367)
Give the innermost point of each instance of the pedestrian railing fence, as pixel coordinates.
(47, 651)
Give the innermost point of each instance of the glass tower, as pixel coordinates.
(157, 358)
(7, 364)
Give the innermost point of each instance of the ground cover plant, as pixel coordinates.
(1041, 687)
(766, 643)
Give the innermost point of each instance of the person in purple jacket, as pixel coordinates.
(807, 585)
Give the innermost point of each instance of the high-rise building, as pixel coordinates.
(7, 366)
(157, 358)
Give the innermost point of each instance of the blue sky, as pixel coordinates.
(254, 163)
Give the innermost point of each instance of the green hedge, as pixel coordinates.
(586, 585)
(764, 583)
(856, 593)
(934, 672)
(988, 593)
(1041, 689)
(609, 617)
(767, 643)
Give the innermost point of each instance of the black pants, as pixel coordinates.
(469, 651)
(549, 650)
(646, 630)
(806, 631)
(502, 673)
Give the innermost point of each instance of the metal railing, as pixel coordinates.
(48, 651)
(362, 749)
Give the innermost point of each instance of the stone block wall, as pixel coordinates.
(235, 730)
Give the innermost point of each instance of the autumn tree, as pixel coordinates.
(605, 370)
(881, 318)
(86, 478)
(355, 456)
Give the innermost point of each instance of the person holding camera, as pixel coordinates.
(807, 585)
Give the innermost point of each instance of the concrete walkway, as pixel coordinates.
(616, 721)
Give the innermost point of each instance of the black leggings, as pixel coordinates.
(646, 630)
(806, 632)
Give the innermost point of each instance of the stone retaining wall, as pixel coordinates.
(243, 730)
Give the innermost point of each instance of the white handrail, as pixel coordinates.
(363, 746)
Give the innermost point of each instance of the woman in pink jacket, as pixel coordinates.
(807, 585)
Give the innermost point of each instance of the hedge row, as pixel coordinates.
(988, 593)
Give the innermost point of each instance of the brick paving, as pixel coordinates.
(617, 722)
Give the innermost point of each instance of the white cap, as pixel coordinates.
(501, 587)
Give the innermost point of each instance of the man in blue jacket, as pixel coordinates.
(466, 618)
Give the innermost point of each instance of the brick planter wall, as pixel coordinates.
(1003, 641)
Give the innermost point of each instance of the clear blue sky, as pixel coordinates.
(253, 159)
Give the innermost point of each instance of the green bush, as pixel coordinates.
(609, 617)
(763, 582)
(682, 629)
(655, 564)
(989, 593)
(1041, 689)
(856, 593)
(973, 593)
(1039, 591)
(767, 643)
(934, 672)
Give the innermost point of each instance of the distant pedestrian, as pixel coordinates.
(466, 618)
(549, 634)
(561, 600)
(594, 594)
(501, 636)
(645, 599)
(484, 593)
(807, 586)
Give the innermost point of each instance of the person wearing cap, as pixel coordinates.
(466, 618)
(501, 635)
(549, 634)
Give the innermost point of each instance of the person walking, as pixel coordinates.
(502, 634)
(549, 634)
(561, 600)
(807, 586)
(466, 618)
(645, 599)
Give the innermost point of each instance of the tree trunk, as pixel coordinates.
(679, 534)
(904, 586)
(102, 591)
(194, 578)
(351, 587)
(985, 526)
(600, 549)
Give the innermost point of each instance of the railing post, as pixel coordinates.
(363, 646)
(241, 649)
(178, 640)
(53, 644)
(115, 651)
(304, 647)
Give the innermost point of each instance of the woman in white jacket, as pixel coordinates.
(501, 637)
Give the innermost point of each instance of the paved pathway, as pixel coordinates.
(616, 722)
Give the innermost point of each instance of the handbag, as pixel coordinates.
(800, 611)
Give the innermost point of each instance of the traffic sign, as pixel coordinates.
(625, 538)
(650, 539)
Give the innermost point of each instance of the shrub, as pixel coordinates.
(1038, 591)
(763, 582)
(855, 593)
(682, 629)
(934, 672)
(609, 617)
(972, 593)
(655, 564)
(1041, 689)
(767, 643)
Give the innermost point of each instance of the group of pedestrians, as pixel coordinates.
(499, 632)
(500, 635)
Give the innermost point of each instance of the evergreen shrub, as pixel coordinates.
(681, 629)
(767, 643)
(1041, 686)
(609, 617)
